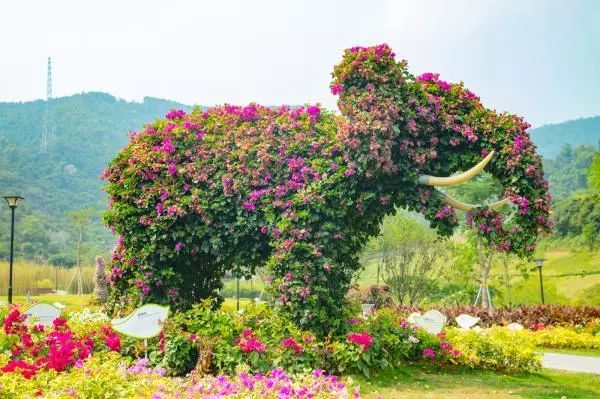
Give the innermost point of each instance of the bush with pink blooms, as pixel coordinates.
(300, 190)
(261, 340)
(29, 348)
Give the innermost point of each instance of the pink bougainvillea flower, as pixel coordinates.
(364, 340)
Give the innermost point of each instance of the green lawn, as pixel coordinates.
(73, 303)
(423, 381)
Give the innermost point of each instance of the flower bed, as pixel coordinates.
(27, 349)
(263, 340)
(258, 354)
(530, 316)
(108, 376)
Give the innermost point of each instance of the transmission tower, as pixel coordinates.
(45, 129)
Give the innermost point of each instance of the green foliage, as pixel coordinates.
(218, 336)
(578, 211)
(179, 355)
(102, 378)
(566, 338)
(496, 348)
(411, 258)
(62, 259)
(594, 173)
(568, 172)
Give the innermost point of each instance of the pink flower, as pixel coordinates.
(337, 89)
(248, 342)
(363, 339)
(172, 169)
(178, 246)
(428, 353)
(291, 343)
(287, 244)
(314, 112)
(175, 114)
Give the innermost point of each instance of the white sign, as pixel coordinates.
(367, 309)
(144, 322)
(42, 313)
(412, 318)
(432, 321)
(466, 321)
(515, 327)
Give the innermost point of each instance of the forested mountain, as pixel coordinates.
(86, 132)
(567, 172)
(550, 139)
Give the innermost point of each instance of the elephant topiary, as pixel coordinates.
(301, 189)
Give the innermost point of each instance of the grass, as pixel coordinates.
(425, 381)
(73, 303)
(29, 277)
(567, 289)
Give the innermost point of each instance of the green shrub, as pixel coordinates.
(567, 338)
(496, 348)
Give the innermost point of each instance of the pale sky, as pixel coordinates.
(537, 58)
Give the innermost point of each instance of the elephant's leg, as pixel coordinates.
(309, 283)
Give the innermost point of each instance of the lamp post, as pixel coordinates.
(237, 296)
(540, 262)
(13, 203)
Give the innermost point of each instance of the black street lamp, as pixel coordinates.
(540, 262)
(13, 203)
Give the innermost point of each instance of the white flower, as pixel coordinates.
(413, 340)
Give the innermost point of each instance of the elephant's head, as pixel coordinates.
(416, 133)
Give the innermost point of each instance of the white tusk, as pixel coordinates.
(461, 206)
(457, 179)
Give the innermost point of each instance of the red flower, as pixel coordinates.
(363, 339)
(249, 343)
(291, 343)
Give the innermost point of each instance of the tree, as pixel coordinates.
(80, 220)
(594, 173)
(590, 235)
(568, 172)
(577, 211)
(482, 188)
(412, 259)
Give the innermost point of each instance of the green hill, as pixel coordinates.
(551, 138)
(86, 132)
